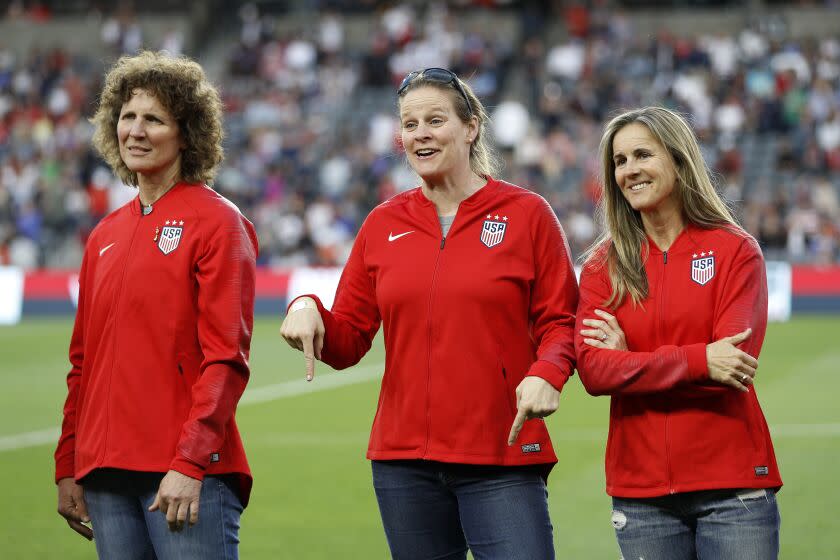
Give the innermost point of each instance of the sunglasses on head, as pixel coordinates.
(439, 76)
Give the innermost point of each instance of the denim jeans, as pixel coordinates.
(124, 529)
(709, 525)
(437, 511)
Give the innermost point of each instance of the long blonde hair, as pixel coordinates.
(623, 244)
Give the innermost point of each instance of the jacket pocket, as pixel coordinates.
(509, 393)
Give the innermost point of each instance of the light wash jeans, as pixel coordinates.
(436, 510)
(708, 525)
(124, 529)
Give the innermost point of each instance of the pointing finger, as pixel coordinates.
(309, 358)
(516, 427)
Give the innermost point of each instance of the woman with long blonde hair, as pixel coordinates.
(670, 323)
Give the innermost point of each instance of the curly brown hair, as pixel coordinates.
(181, 86)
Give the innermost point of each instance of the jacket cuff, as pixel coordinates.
(187, 467)
(65, 468)
(550, 372)
(698, 369)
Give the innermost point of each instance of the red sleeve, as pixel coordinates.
(743, 305)
(351, 325)
(608, 372)
(744, 301)
(554, 297)
(225, 276)
(66, 450)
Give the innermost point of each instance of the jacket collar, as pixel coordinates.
(479, 197)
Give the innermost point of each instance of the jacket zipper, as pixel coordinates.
(429, 335)
(117, 301)
(661, 308)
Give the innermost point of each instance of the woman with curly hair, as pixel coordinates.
(149, 453)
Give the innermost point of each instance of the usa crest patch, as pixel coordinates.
(493, 233)
(703, 268)
(170, 237)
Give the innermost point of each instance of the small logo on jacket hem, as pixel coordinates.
(531, 448)
(214, 457)
(761, 471)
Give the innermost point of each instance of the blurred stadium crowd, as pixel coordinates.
(311, 132)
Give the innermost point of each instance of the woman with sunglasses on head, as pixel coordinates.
(472, 280)
(671, 320)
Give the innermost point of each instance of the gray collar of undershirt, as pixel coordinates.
(445, 224)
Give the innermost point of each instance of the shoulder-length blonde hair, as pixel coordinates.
(483, 160)
(181, 86)
(623, 245)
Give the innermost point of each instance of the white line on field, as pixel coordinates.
(321, 382)
(29, 439)
(363, 374)
(256, 395)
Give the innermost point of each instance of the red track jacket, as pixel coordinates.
(671, 428)
(159, 351)
(465, 319)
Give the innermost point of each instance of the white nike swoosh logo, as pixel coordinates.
(103, 249)
(392, 237)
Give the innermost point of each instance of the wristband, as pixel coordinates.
(302, 303)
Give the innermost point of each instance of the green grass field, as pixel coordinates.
(312, 495)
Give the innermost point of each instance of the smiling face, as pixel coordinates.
(149, 137)
(437, 142)
(644, 170)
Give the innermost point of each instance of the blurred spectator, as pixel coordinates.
(309, 149)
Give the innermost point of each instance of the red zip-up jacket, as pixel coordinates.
(466, 318)
(672, 429)
(160, 346)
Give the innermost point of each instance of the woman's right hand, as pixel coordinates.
(303, 329)
(72, 506)
(729, 365)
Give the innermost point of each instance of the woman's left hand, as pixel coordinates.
(177, 497)
(605, 332)
(535, 398)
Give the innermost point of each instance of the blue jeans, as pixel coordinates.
(437, 511)
(714, 525)
(123, 528)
